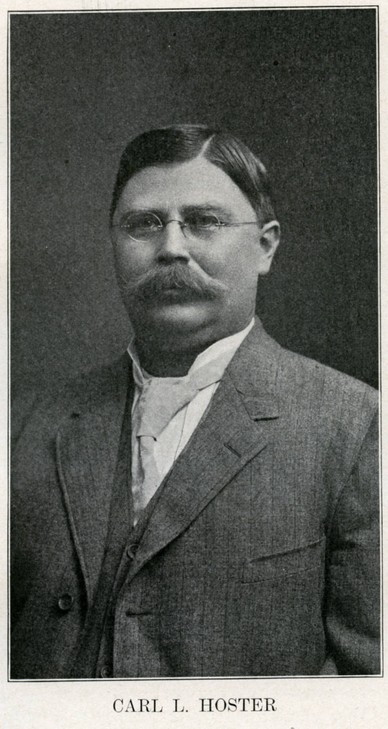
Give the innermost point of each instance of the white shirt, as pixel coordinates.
(176, 434)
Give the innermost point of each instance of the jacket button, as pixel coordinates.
(65, 602)
(131, 551)
(105, 671)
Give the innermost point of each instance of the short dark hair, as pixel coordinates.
(183, 142)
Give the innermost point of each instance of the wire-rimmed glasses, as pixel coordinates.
(147, 227)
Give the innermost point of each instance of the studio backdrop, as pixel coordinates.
(298, 86)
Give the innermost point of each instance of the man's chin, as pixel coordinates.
(172, 325)
(179, 315)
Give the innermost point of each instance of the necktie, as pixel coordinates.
(162, 398)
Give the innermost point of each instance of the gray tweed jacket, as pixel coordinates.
(259, 555)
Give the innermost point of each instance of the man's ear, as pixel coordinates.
(269, 241)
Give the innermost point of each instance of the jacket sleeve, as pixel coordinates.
(352, 587)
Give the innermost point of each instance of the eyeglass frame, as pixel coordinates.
(183, 226)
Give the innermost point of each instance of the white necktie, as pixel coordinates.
(162, 398)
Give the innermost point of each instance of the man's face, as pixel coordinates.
(226, 267)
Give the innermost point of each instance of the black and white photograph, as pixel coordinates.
(194, 349)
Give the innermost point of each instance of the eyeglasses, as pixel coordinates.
(147, 227)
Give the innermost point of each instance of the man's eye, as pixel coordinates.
(141, 223)
(203, 221)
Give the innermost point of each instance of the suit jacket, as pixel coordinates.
(259, 554)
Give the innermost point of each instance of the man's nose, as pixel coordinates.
(172, 245)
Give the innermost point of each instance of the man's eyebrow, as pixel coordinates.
(207, 206)
(214, 207)
(140, 209)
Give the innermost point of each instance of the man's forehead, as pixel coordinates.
(196, 182)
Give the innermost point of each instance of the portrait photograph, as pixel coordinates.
(195, 500)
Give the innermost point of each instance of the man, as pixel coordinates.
(208, 505)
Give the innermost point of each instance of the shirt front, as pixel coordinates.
(177, 433)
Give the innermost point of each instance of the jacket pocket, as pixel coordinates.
(278, 566)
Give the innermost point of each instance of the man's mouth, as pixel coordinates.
(177, 293)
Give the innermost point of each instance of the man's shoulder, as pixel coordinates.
(303, 369)
(300, 382)
(80, 393)
(97, 383)
(310, 384)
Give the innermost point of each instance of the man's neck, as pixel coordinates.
(165, 364)
(165, 359)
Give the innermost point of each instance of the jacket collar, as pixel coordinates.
(253, 372)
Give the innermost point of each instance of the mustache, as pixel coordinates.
(155, 283)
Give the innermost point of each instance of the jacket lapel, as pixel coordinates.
(233, 431)
(86, 449)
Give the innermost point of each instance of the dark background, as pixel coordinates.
(298, 86)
